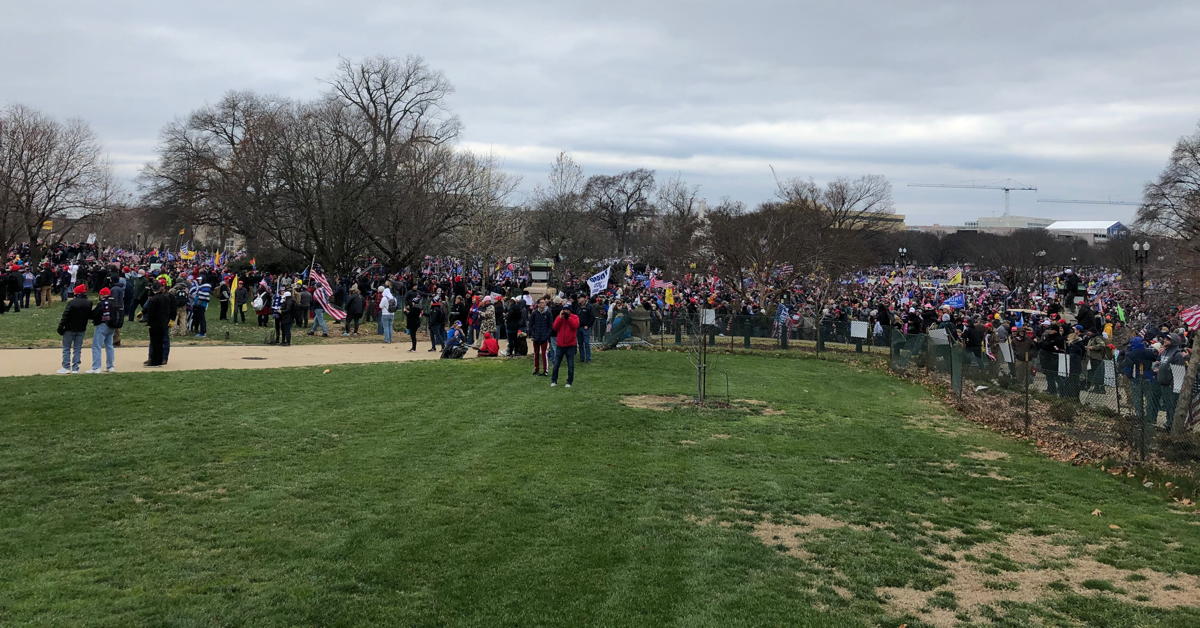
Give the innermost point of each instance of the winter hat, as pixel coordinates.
(80, 289)
(105, 292)
(1137, 343)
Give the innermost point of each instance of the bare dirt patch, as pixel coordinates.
(788, 533)
(722, 436)
(688, 443)
(1047, 568)
(991, 474)
(660, 403)
(986, 454)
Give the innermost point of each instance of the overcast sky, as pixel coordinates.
(1083, 99)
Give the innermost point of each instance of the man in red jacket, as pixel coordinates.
(566, 326)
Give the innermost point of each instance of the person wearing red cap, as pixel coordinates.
(71, 326)
(107, 318)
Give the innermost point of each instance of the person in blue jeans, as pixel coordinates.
(566, 328)
(73, 323)
(106, 317)
(587, 318)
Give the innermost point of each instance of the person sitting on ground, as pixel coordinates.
(489, 348)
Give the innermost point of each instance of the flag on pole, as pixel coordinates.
(957, 301)
(670, 296)
(233, 296)
(956, 279)
(321, 294)
(598, 282)
(182, 230)
(1120, 313)
(217, 259)
(48, 225)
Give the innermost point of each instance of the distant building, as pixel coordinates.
(1090, 231)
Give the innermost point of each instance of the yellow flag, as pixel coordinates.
(670, 296)
(183, 231)
(48, 225)
(629, 270)
(956, 279)
(233, 296)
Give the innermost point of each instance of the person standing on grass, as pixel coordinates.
(223, 299)
(318, 318)
(566, 329)
(304, 302)
(540, 322)
(288, 314)
(587, 318)
(71, 326)
(354, 311)
(45, 285)
(107, 319)
(239, 301)
(387, 314)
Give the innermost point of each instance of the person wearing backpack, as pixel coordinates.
(107, 318)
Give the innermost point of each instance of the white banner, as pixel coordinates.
(1064, 365)
(91, 239)
(858, 329)
(598, 282)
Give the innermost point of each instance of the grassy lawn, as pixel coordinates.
(35, 327)
(470, 493)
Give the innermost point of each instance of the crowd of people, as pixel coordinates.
(1087, 317)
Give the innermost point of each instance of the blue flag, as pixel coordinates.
(957, 301)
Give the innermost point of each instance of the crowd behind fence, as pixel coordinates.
(1130, 411)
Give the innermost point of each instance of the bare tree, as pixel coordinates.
(620, 202)
(675, 238)
(1171, 208)
(557, 225)
(49, 171)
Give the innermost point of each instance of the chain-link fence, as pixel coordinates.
(1087, 399)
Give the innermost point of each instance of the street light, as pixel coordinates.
(1041, 276)
(903, 254)
(1141, 253)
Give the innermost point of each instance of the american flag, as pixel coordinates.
(1191, 316)
(657, 283)
(322, 293)
(786, 269)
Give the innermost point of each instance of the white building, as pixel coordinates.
(1090, 231)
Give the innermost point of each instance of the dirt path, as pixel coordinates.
(129, 359)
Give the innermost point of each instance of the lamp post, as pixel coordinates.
(1141, 253)
(903, 255)
(1041, 277)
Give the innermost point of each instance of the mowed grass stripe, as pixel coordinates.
(471, 493)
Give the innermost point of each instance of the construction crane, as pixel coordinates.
(1078, 202)
(1009, 187)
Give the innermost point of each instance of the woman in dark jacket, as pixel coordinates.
(412, 321)
(354, 311)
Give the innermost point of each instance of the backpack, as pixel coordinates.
(181, 298)
(110, 314)
(257, 304)
(392, 304)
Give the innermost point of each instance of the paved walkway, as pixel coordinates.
(129, 359)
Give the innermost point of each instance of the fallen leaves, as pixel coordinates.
(1096, 513)
(1113, 526)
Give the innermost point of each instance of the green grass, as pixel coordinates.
(36, 327)
(470, 493)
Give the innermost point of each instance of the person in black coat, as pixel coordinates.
(354, 311)
(71, 326)
(158, 313)
(289, 312)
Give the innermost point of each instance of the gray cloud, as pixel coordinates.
(1082, 99)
